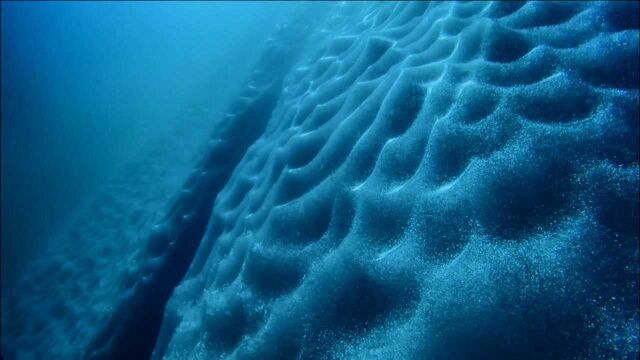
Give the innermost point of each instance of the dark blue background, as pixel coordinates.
(84, 84)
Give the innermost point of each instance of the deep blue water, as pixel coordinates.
(85, 84)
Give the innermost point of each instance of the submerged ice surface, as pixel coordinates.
(442, 180)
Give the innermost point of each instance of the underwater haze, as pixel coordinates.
(321, 180)
(85, 84)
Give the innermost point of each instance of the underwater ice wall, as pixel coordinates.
(443, 180)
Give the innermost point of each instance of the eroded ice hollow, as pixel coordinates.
(444, 180)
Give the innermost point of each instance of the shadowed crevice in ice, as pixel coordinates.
(132, 330)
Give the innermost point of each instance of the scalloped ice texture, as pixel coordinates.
(444, 180)
(438, 180)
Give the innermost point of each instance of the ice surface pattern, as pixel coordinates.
(424, 180)
(443, 180)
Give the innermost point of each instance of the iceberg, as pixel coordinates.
(396, 180)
